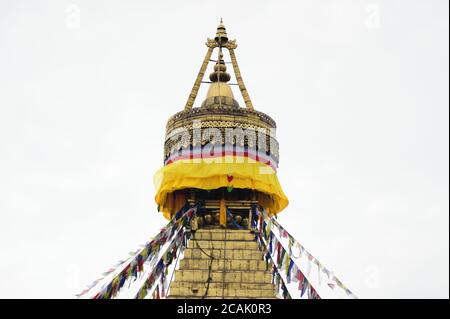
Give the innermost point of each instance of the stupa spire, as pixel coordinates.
(219, 187)
(219, 88)
(220, 74)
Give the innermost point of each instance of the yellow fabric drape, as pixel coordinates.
(223, 213)
(207, 174)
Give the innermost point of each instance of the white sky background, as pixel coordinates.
(359, 90)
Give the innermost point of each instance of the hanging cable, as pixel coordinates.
(211, 258)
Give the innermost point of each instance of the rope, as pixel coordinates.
(224, 260)
(208, 280)
(196, 242)
(228, 62)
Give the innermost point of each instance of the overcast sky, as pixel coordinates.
(359, 90)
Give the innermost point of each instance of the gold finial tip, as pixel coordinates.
(221, 26)
(221, 34)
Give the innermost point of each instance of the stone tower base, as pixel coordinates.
(237, 270)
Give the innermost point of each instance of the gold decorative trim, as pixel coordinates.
(211, 43)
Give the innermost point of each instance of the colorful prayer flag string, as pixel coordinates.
(266, 224)
(147, 254)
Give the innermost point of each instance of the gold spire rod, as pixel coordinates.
(237, 72)
(221, 40)
(198, 80)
